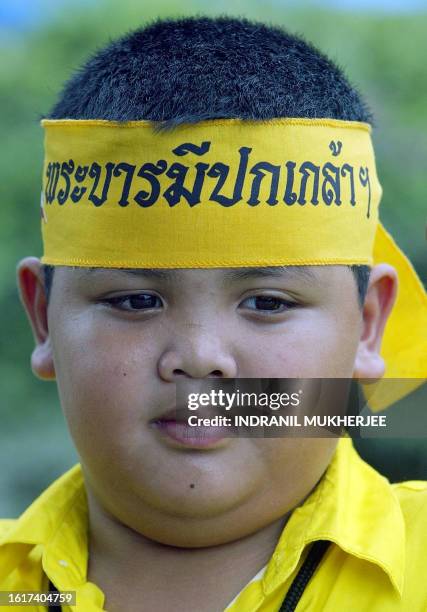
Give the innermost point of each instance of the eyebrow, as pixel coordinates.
(146, 272)
(229, 276)
(274, 271)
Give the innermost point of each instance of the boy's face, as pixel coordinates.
(116, 362)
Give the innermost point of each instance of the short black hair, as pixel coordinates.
(177, 71)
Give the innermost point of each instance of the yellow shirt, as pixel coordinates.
(377, 562)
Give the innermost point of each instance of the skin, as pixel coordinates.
(116, 370)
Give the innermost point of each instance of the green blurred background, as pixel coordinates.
(383, 53)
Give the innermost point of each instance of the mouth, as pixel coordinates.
(208, 429)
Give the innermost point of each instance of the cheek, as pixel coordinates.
(318, 344)
(103, 381)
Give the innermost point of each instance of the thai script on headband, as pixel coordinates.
(307, 183)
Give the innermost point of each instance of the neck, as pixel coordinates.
(130, 568)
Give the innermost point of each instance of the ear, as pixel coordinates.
(30, 282)
(379, 301)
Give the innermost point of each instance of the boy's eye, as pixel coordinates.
(269, 303)
(135, 302)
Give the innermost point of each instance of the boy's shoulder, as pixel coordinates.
(42, 514)
(5, 525)
(412, 496)
(411, 489)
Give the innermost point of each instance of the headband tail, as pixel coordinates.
(404, 346)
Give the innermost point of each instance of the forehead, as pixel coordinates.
(225, 275)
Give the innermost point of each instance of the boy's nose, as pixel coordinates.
(197, 355)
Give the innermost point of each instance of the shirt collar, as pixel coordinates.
(58, 521)
(353, 506)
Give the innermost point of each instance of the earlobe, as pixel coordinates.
(32, 293)
(379, 301)
(42, 361)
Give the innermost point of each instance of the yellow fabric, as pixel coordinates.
(376, 564)
(327, 168)
(229, 193)
(404, 345)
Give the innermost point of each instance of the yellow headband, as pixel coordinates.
(225, 193)
(222, 193)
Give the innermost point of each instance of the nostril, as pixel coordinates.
(214, 373)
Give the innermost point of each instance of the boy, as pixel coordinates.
(160, 516)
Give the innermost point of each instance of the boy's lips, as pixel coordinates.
(173, 424)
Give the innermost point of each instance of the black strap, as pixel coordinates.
(55, 607)
(297, 587)
(306, 571)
